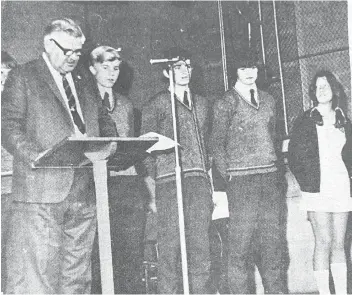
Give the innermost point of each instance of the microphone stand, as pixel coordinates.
(181, 217)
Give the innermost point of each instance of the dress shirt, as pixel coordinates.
(58, 80)
(102, 91)
(180, 94)
(244, 91)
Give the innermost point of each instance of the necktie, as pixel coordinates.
(253, 101)
(185, 99)
(106, 101)
(72, 105)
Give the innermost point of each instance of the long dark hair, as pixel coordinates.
(338, 98)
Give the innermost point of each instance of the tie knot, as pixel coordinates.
(251, 91)
(106, 101)
(185, 99)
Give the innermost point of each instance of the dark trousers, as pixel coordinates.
(219, 250)
(49, 247)
(256, 206)
(197, 213)
(127, 197)
(5, 218)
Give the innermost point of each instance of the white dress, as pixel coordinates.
(335, 194)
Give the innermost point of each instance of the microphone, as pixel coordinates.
(164, 60)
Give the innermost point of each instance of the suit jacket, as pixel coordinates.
(35, 118)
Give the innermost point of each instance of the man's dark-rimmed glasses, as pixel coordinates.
(67, 52)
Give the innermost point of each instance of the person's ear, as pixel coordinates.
(48, 44)
(93, 70)
(166, 73)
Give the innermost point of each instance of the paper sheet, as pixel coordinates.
(164, 142)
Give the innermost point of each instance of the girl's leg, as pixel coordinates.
(322, 229)
(338, 255)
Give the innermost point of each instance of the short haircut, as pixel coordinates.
(175, 52)
(7, 60)
(246, 60)
(65, 25)
(104, 53)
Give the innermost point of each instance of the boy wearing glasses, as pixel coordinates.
(192, 120)
(53, 216)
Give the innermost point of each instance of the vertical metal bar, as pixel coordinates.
(349, 17)
(280, 68)
(181, 217)
(223, 46)
(261, 31)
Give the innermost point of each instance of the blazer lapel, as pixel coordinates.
(49, 80)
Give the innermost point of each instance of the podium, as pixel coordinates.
(94, 153)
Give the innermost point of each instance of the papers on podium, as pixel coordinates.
(164, 143)
(70, 152)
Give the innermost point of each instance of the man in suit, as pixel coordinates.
(53, 218)
(127, 192)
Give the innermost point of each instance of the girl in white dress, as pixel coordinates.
(314, 156)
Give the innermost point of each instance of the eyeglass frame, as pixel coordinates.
(66, 51)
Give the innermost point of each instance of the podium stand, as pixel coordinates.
(93, 153)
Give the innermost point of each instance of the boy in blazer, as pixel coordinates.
(127, 193)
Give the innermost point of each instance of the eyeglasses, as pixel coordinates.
(68, 52)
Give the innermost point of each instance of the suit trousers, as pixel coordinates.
(49, 245)
(256, 225)
(197, 212)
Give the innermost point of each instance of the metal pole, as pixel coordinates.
(261, 31)
(223, 46)
(181, 218)
(280, 68)
(349, 17)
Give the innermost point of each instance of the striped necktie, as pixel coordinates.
(72, 105)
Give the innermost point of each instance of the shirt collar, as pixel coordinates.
(180, 94)
(244, 90)
(102, 91)
(56, 74)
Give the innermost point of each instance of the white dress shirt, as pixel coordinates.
(103, 90)
(58, 80)
(244, 91)
(180, 95)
